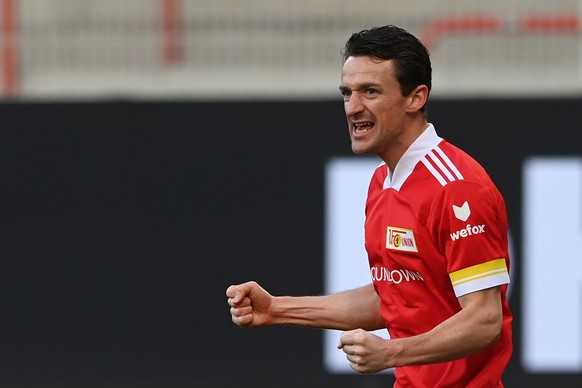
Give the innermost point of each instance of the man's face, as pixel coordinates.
(374, 105)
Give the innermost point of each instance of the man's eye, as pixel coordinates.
(371, 91)
(346, 94)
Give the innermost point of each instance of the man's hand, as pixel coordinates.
(249, 304)
(366, 352)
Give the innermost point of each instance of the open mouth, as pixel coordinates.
(363, 127)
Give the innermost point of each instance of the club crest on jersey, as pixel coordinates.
(400, 239)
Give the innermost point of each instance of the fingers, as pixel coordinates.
(241, 317)
(240, 303)
(350, 343)
(347, 345)
(237, 293)
(346, 342)
(241, 313)
(245, 302)
(366, 352)
(250, 304)
(351, 337)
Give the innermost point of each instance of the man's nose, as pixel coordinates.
(354, 105)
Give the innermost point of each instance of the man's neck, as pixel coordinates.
(409, 135)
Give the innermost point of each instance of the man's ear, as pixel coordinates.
(417, 98)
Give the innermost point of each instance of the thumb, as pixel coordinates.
(239, 292)
(235, 293)
(350, 337)
(344, 340)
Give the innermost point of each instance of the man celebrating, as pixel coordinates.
(435, 234)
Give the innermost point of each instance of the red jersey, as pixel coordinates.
(436, 229)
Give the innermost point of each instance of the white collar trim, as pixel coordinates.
(427, 141)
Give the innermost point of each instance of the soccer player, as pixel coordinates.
(435, 234)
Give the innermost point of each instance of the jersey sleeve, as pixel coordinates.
(473, 236)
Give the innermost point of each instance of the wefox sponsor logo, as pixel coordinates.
(396, 276)
(467, 231)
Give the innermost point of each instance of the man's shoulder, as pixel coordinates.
(465, 165)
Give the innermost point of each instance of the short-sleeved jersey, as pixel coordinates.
(436, 229)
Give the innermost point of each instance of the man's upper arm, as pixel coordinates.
(485, 302)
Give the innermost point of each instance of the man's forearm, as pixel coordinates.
(358, 308)
(476, 326)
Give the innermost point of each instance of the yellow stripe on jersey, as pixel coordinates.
(477, 270)
(479, 277)
(482, 276)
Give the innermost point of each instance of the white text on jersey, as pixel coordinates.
(468, 231)
(396, 276)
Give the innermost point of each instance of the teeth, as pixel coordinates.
(362, 127)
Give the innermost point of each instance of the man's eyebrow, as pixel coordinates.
(369, 85)
(360, 87)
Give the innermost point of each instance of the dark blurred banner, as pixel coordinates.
(123, 223)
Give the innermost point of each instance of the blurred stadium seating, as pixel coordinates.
(241, 49)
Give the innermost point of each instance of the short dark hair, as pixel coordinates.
(411, 58)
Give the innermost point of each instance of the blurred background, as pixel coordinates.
(153, 152)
